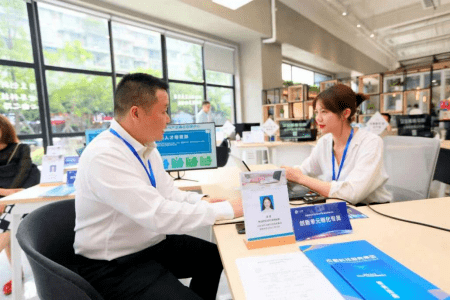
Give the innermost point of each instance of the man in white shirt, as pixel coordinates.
(204, 115)
(129, 214)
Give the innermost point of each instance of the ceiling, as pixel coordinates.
(405, 29)
(402, 29)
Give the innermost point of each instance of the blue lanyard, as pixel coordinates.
(149, 174)
(343, 156)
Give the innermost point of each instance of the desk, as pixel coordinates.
(424, 250)
(25, 202)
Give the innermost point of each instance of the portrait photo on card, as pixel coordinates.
(267, 203)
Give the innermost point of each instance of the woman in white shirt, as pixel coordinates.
(346, 163)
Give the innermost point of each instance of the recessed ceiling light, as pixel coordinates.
(372, 35)
(344, 13)
(359, 25)
(232, 4)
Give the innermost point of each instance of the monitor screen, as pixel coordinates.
(188, 147)
(241, 127)
(414, 125)
(294, 128)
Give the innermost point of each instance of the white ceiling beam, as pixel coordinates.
(407, 15)
(424, 41)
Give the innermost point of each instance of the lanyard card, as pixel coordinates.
(266, 209)
(319, 221)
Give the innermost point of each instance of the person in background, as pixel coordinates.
(15, 166)
(130, 218)
(388, 130)
(205, 114)
(346, 163)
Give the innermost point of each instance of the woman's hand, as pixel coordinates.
(293, 174)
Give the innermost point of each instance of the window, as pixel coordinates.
(18, 99)
(79, 102)
(321, 77)
(137, 50)
(74, 40)
(184, 60)
(300, 75)
(221, 104)
(15, 40)
(219, 78)
(286, 72)
(185, 102)
(75, 79)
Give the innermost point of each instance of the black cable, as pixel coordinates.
(409, 221)
(395, 218)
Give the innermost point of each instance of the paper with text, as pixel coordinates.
(284, 277)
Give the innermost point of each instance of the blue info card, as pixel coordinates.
(375, 279)
(319, 221)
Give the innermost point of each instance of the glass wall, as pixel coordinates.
(300, 75)
(53, 100)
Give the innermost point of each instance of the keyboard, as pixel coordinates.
(297, 191)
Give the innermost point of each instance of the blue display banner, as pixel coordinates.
(319, 221)
(71, 177)
(185, 142)
(71, 160)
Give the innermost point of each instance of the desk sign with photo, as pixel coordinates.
(52, 169)
(266, 209)
(319, 221)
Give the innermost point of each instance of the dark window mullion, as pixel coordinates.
(77, 71)
(185, 82)
(205, 93)
(11, 63)
(69, 134)
(38, 58)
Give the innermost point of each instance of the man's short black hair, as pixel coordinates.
(205, 103)
(137, 89)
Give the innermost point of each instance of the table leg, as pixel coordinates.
(16, 259)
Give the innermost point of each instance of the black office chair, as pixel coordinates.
(223, 152)
(46, 236)
(442, 172)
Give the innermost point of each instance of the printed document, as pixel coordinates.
(284, 277)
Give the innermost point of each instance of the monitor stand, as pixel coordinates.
(181, 178)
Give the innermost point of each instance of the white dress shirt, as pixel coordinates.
(119, 212)
(362, 176)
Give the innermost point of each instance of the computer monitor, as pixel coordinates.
(297, 130)
(188, 147)
(241, 127)
(414, 125)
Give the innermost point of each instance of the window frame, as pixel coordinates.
(40, 67)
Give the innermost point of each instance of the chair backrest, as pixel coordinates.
(410, 163)
(46, 235)
(442, 172)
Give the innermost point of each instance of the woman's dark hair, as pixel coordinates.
(8, 133)
(271, 204)
(388, 116)
(340, 97)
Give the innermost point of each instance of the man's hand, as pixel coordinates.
(212, 200)
(293, 174)
(7, 192)
(236, 204)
